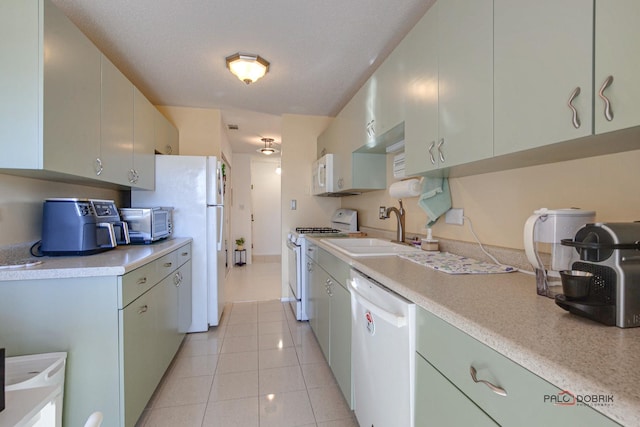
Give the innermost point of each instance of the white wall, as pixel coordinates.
(21, 202)
(265, 196)
(200, 129)
(499, 203)
(299, 141)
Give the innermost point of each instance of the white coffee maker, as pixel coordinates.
(543, 232)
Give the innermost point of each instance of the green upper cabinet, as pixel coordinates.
(66, 111)
(543, 67)
(616, 54)
(449, 81)
(116, 142)
(143, 172)
(166, 135)
(50, 104)
(421, 125)
(384, 97)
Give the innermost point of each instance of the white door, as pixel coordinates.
(265, 200)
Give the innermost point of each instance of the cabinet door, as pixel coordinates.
(465, 84)
(139, 368)
(166, 137)
(71, 97)
(542, 54)
(184, 300)
(340, 333)
(319, 317)
(440, 403)
(616, 54)
(143, 142)
(390, 102)
(421, 124)
(165, 298)
(116, 135)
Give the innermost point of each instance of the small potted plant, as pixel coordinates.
(240, 243)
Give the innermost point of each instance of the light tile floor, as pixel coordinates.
(259, 368)
(258, 281)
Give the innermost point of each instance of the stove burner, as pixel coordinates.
(316, 230)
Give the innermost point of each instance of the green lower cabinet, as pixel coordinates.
(139, 372)
(440, 403)
(517, 396)
(340, 338)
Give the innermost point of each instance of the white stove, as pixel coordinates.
(342, 221)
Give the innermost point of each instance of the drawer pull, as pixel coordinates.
(185, 254)
(142, 281)
(168, 264)
(143, 309)
(495, 389)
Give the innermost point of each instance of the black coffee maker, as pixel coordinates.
(604, 284)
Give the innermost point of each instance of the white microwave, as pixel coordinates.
(322, 176)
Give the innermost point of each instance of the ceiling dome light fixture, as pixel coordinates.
(247, 67)
(267, 150)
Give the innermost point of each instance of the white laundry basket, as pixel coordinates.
(35, 389)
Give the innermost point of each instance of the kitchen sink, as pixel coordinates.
(360, 247)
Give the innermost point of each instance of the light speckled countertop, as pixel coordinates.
(114, 262)
(504, 312)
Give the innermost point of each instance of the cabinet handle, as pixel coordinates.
(177, 279)
(494, 388)
(143, 309)
(98, 166)
(132, 176)
(575, 119)
(185, 254)
(309, 267)
(142, 281)
(169, 149)
(433, 159)
(608, 112)
(440, 144)
(168, 264)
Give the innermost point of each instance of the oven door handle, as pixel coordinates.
(292, 245)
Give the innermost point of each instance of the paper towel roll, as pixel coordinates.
(408, 188)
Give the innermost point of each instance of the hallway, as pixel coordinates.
(258, 281)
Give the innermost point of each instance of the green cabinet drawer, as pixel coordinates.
(183, 254)
(527, 400)
(135, 283)
(440, 403)
(167, 264)
(337, 268)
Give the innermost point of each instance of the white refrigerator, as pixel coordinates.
(194, 187)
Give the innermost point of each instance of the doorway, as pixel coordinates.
(266, 210)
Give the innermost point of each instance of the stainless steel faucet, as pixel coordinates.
(400, 217)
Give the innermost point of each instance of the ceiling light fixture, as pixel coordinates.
(247, 67)
(267, 150)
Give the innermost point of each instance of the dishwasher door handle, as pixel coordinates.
(392, 318)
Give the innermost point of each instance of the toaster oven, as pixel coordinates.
(147, 225)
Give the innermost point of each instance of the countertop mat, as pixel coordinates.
(455, 264)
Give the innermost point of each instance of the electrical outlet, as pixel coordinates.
(454, 216)
(382, 212)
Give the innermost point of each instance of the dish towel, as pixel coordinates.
(435, 199)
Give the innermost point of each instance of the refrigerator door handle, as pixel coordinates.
(219, 243)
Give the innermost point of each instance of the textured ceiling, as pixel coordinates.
(321, 52)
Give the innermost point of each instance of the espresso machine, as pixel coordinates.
(604, 283)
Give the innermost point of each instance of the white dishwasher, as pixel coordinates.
(382, 354)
